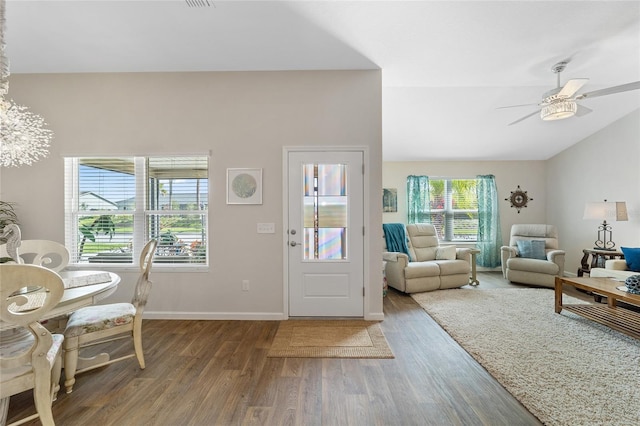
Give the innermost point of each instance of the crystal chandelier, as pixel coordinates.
(23, 137)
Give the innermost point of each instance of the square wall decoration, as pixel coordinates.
(244, 186)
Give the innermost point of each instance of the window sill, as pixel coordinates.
(157, 267)
(459, 243)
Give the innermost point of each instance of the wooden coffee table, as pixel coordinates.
(618, 318)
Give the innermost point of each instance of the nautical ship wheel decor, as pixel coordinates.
(519, 199)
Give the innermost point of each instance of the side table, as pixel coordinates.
(385, 285)
(598, 258)
(473, 280)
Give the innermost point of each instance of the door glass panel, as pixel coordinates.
(332, 212)
(332, 243)
(332, 179)
(325, 211)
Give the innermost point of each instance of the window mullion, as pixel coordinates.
(139, 215)
(71, 206)
(448, 214)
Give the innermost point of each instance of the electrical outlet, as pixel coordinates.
(266, 228)
(245, 285)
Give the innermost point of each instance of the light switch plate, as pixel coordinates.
(266, 228)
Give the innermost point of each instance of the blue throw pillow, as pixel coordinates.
(632, 256)
(532, 249)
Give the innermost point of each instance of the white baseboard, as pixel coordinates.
(485, 269)
(374, 316)
(241, 316)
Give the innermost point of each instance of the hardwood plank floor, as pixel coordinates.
(217, 373)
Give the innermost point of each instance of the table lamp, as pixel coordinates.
(603, 211)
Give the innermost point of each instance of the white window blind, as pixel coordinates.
(114, 205)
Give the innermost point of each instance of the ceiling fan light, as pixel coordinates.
(558, 110)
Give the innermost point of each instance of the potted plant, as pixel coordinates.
(7, 216)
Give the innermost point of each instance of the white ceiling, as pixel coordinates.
(446, 65)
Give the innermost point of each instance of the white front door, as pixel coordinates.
(325, 233)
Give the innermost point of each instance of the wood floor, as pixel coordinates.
(217, 373)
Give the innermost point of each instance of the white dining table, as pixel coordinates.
(86, 295)
(81, 296)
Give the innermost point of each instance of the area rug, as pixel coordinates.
(329, 339)
(565, 369)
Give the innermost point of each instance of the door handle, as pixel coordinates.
(293, 244)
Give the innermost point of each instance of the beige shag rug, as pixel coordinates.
(329, 339)
(565, 369)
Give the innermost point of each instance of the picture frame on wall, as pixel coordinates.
(244, 186)
(389, 200)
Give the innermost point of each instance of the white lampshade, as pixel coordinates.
(606, 211)
(558, 110)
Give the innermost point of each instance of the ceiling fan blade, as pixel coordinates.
(525, 117)
(572, 86)
(611, 90)
(515, 106)
(582, 110)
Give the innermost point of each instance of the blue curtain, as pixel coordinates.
(418, 199)
(489, 234)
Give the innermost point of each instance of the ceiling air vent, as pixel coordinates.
(199, 3)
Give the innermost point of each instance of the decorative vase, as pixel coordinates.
(633, 284)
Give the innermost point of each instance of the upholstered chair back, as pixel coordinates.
(423, 241)
(548, 233)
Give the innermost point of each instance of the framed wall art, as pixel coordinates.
(389, 200)
(244, 186)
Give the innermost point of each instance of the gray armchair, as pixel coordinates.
(532, 256)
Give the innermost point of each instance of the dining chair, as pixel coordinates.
(99, 324)
(47, 253)
(30, 356)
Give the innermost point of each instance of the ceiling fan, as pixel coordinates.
(561, 103)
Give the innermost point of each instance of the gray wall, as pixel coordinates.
(244, 119)
(530, 175)
(606, 165)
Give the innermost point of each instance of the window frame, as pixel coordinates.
(140, 214)
(448, 211)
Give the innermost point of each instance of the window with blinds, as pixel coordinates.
(454, 208)
(113, 206)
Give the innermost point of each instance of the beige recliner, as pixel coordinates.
(533, 256)
(429, 266)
